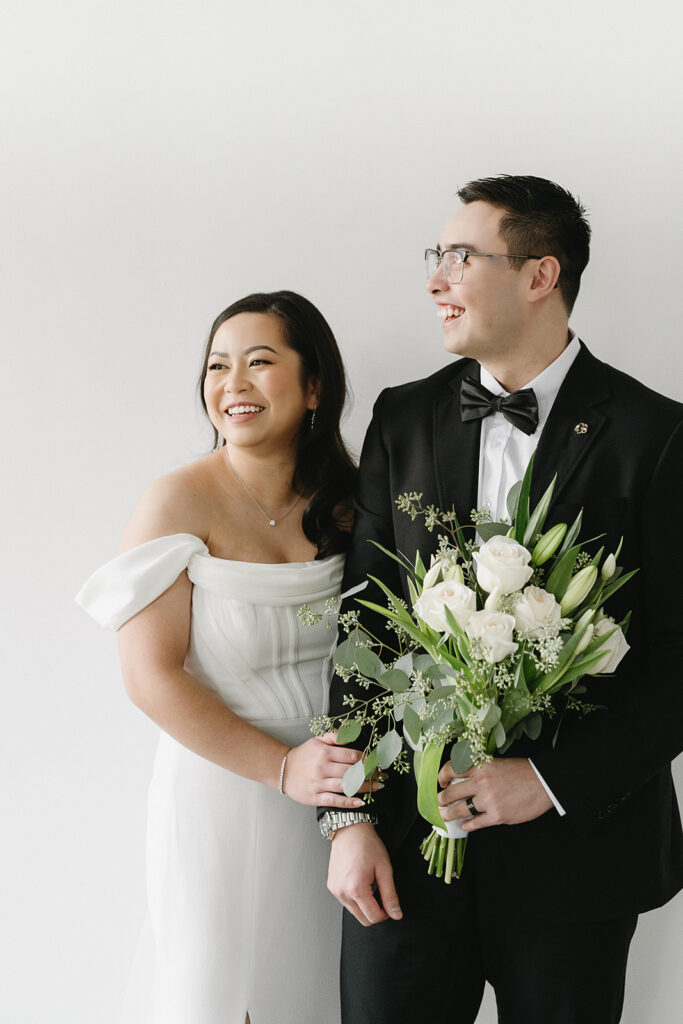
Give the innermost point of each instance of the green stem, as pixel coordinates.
(462, 844)
(450, 858)
(432, 859)
(441, 856)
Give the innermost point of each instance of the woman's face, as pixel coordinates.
(253, 389)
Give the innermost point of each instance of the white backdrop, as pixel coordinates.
(159, 160)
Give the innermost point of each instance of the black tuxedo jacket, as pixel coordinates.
(617, 448)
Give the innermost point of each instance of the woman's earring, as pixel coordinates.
(313, 417)
(219, 443)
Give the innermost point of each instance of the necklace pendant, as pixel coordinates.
(271, 522)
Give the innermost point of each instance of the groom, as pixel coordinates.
(568, 844)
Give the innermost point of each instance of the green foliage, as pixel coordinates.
(538, 516)
(395, 680)
(461, 757)
(349, 731)
(427, 803)
(353, 778)
(522, 517)
(388, 748)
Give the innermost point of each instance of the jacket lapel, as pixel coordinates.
(456, 448)
(573, 426)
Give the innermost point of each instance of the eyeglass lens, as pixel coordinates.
(451, 263)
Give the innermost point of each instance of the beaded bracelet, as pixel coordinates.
(282, 774)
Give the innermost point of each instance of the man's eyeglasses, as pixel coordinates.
(452, 261)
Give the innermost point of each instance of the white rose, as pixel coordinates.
(502, 562)
(441, 566)
(459, 599)
(494, 629)
(536, 610)
(613, 649)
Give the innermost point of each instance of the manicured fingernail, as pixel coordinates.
(358, 803)
(379, 785)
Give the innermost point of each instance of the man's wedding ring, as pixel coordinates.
(470, 806)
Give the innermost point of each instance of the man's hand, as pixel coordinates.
(357, 860)
(506, 791)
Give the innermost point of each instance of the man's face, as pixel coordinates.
(483, 315)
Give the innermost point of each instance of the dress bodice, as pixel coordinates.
(247, 641)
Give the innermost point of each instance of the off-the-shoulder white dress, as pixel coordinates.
(241, 916)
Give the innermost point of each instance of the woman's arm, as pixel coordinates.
(153, 646)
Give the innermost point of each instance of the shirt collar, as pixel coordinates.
(546, 384)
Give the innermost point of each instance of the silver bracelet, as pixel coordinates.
(282, 774)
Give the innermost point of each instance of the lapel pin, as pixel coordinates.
(581, 428)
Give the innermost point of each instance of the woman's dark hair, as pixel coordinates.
(538, 217)
(324, 469)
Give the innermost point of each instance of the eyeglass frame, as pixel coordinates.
(466, 253)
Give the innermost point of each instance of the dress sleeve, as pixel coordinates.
(127, 584)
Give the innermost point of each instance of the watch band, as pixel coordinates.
(332, 821)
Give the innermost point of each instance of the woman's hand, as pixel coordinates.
(314, 770)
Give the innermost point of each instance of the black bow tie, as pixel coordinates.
(520, 408)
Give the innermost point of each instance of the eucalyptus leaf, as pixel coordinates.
(412, 724)
(443, 717)
(499, 734)
(515, 707)
(345, 654)
(353, 778)
(513, 735)
(395, 680)
(489, 716)
(388, 748)
(368, 663)
(370, 763)
(435, 672)
(349, 731)
(439, 692)
(405, 663)
(461, 757)
(532, 725)
(488, 530)
(422, 662)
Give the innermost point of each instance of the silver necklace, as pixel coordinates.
(271, 521)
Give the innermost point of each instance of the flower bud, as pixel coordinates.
(454, 574)
(585, 639)
(579, 589)
(609, 567)
(548, 544)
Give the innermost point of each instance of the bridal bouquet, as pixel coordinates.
(500, 634)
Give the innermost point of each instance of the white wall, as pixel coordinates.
(158, 161)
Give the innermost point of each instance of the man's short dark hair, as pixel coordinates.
(539, 217)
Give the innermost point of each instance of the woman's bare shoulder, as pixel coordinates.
(178, 502)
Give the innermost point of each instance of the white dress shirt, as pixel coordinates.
(504, 450)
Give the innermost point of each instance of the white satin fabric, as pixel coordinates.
(241, 916)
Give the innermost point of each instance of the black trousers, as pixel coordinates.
(433, 964)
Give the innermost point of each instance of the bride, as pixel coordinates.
(217, 560)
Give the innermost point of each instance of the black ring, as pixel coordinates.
(470, 806)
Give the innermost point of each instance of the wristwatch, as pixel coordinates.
(331, 821)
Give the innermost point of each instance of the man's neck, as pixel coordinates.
(527, 361)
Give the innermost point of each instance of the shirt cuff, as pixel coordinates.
(556, 803)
